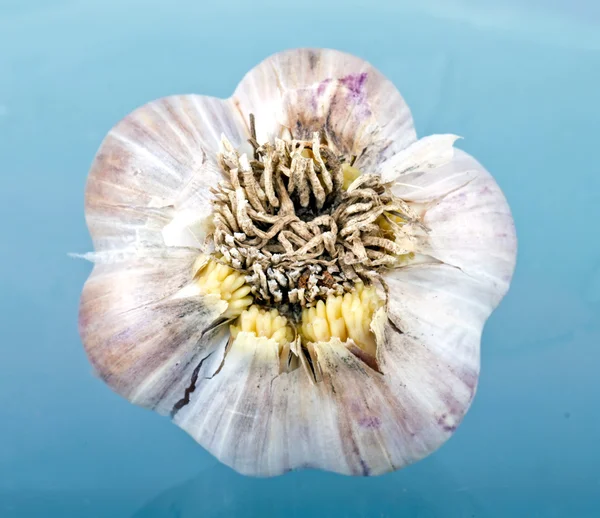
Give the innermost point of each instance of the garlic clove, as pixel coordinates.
(443, 309)
(262, 422)
(355, 421)
(142, 336)
(469, 220)
(429, 348)
(305, 90)
(386, 421)
(426, 153)
(149, 182)
(230, 413)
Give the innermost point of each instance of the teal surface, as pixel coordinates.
(517, 79)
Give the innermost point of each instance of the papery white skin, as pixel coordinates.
(147, 208)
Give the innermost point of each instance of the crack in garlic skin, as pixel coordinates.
(229, 285)
(302, 224)
(344, 317)
(266, 323)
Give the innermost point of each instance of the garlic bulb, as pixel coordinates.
(289, 273)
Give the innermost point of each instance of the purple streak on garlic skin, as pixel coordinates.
(355, 84)
(152, 336)
(370, 422)
(322, 86)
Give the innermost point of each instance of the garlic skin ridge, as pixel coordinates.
(260, 404)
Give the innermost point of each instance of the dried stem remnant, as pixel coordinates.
(285, 220)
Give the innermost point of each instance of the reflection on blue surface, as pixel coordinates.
(519, 81)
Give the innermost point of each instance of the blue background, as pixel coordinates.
(518, 79)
